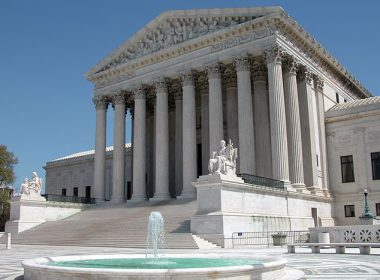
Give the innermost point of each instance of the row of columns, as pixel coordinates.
(283, 128)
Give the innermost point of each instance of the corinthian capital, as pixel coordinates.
(290, 65)
(139, 92)
(161, 85)
(274, 54)
(213, 70)
(305, 74)
(259, 69)
(187, 78)
(318, 83)
(242, 63)
(100, 103)
(229, 77)
(118, 98)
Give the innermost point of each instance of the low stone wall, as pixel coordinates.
(28, 212)
(348, 234)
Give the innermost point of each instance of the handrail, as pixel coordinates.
(70, 199)
(262, 181)
(268, 238)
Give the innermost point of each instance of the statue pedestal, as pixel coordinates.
(368, 221)
(27, 211)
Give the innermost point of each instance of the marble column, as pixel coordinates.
(189, 135)
(318, 85)
(216, 132)
(162, 141)
(118, 160)
(293, 125)
(230, 84)
(280, 161)
(245, 116)
(261, 115)
(305, 94)
(202, 86)
(100, 149)
(178, 169)
(139, 145)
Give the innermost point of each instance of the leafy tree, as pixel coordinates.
(7, 177)
(7, 162)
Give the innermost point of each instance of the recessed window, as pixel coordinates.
(75, 192)
(345, 100)
(337, 97)
(377, 209)
(375, 158)
(349, 211)
(63, 192)
(347, 166)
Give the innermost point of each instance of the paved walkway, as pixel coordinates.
(326, 265)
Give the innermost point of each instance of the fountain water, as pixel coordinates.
(173, 266)
(155, 240)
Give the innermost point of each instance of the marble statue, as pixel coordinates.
(224, 161)
(32, 186)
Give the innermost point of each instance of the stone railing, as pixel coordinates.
(348, 234)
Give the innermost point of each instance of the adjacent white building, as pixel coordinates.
(191, 78)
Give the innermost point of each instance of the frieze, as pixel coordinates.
(172, 32)
(239, 40)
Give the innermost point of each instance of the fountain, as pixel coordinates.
(156, 265)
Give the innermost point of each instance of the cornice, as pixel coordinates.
(278, 23)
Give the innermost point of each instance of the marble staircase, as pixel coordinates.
(123, 225)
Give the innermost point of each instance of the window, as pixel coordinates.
(63, 192)
(345, 100)
(377, 209)
(337, 97)
(375, 158)
(347, 166)
(349, 211)
(75, 193)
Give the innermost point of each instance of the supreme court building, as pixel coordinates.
(190, 78)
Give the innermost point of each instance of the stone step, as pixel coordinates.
(123, 225)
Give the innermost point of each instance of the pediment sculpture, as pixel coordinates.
(171, 32)
(224, 160)
(33, 186)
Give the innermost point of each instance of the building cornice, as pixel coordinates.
(278, 23)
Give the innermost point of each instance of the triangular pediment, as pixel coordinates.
(175, 27)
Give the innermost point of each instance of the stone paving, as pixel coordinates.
(326, 265)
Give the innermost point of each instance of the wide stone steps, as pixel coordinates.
(123, 226)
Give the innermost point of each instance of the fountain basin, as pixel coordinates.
(261, 268)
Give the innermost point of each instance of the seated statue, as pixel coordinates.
(32, 187)
(224, 161)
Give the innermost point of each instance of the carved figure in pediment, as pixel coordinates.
(169, 36)
(179, 32)
(190, 30)
(213, 26)
(203, 28)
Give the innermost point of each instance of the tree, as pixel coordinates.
(7, 162)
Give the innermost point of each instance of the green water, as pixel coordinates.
(162, 263)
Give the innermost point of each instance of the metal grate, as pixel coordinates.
(262, 181)
(270, 238)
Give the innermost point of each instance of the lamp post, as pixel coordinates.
(367, 211)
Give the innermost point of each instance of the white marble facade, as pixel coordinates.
(191, 78)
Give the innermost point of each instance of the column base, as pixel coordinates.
(138, 198)
(326, 193)
(315, 190)
(159, 197)
(301, 188)
(186, 195)
(117, 200)
(288, 187)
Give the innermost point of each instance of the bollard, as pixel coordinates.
(8, 247)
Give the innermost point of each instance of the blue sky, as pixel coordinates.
(46, 46)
